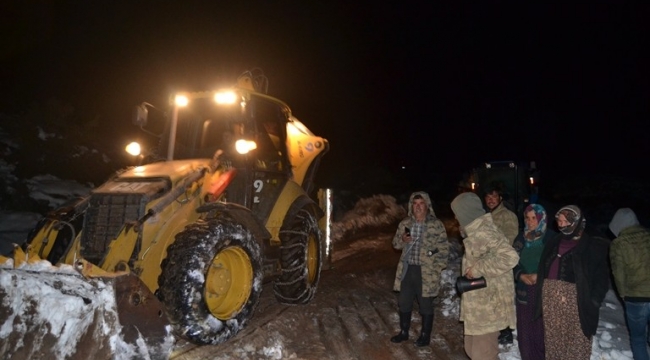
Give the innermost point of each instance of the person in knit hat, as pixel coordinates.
(630, 258)
(488, 253)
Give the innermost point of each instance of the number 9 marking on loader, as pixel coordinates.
(258, 185)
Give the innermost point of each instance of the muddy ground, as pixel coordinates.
(352, 316)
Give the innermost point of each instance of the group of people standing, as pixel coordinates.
(548, 285)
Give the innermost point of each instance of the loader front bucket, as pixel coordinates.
(140, 313)
(57, 313)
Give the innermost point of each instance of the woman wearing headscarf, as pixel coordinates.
(529, 244)
(572, 281)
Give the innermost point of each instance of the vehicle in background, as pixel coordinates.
(519, 182)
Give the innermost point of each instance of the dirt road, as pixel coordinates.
(352, 316)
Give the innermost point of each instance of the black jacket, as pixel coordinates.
(589, 260)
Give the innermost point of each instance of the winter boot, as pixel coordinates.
(404, 325)
(425, 333)
(505, 336)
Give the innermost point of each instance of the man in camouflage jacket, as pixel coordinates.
(504, 219)
(508, 223)
(423, 240)
(488, 254)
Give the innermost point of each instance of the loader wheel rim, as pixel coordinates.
(229, 282)
(312, 258)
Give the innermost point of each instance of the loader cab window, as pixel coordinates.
(214, 135)
(270, 122)
(201, 129)
(186, 131)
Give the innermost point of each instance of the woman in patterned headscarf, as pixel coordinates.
(529, 244)
(572, 280)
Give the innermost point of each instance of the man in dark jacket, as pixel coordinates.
(630, 259)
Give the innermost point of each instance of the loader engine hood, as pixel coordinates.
(125, 199)
(173, 170)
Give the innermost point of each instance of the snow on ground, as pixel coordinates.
(610, 342)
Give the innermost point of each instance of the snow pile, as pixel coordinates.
(43, 189)
(54, 191)
(54, 310)
(48, 190)
(370, 214)
(450, 302)
(14, 227)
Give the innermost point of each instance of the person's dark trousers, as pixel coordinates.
(637, 315)
(530, 330)
(404, 326)
(411, 290)
(425, 333)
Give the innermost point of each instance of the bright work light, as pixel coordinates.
(225, 97)
(244, 146)
(134, 149)
(181, 100)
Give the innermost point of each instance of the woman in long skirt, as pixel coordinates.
(572, 281)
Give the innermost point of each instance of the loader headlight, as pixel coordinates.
(225, 97)
(134, 149)
(244, 146)
(181, 100)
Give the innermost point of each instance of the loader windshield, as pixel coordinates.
(204, 128)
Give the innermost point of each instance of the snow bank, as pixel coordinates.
(54, 310)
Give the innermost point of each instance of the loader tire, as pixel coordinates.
(211, 280)
(300, 259)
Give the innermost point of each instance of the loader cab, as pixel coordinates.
(255, 134)
(249, 136)
(204, 129)
(265, 169)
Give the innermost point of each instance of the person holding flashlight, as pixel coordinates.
(488, 253)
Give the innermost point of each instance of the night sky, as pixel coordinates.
(435, 89)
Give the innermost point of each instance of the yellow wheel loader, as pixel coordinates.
(187, 238)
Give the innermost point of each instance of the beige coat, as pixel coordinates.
(506, 221)
(489, 254)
